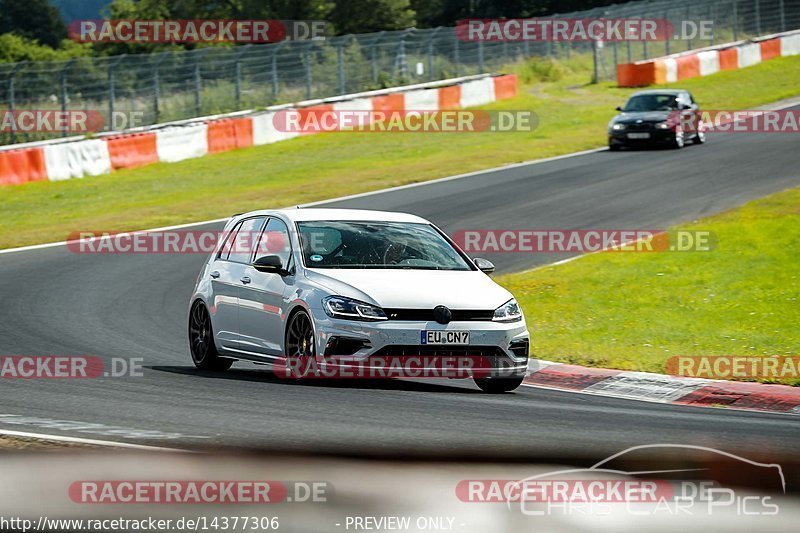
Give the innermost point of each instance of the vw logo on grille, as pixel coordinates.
(442, 314)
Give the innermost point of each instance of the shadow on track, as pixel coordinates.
(266, 376)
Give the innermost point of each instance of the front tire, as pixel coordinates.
(300, 346)
(679, 141)
(201, 341)
(498, 385)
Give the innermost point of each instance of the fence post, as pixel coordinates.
(11, 95)
(758, 18)
(480, 57)
(666, 41)
(238, 73)
(689, 17)
(456, 52)
(340, 66)
(275, 49)
(712, 10)
(112, 90)
(783, 15)
(64, 90)
(198, 82)
(156, 85)
(430, 53)
(374, 56)
(735, 22)
(307, 59)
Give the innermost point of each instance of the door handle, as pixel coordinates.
(245, 280)
(214, 274)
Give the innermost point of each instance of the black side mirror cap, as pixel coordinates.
(618, 108)
(271, 264)
(484, 265)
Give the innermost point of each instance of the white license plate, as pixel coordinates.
(638, 136)
(445, 337)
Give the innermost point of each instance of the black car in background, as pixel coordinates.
(657, 117)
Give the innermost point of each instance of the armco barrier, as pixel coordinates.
(133, 150)
(478, 92)
(389, 102)
(184, 142)
(76, 160)
(422, 100)
(450, 97)
(265, 132)
(21, 166)
(505, 87)
(707, 61)
(80, 157)
(229, 134)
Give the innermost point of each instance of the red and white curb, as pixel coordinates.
(661, 388)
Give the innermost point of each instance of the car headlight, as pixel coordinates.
(618, 127)
(663, 126)
(339, 307)
(508, 312)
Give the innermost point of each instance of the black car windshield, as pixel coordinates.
(356, 244)
(651, 102)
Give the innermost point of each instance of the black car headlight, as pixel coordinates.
(340, 307)
(508, 312)
(663, 126)
(617, 127)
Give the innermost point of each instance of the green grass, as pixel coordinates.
(572, 116)
(632, 311)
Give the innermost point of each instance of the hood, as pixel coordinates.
(644, 116)
(414, 289)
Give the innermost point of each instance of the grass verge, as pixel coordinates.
(572, 116)
(632, 311)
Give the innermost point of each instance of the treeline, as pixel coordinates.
(33, 30)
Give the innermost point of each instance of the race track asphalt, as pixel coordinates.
(134, 306)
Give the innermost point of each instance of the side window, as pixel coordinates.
(275, 241)
(229, 237)
(242, 244)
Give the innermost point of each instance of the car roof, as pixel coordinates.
(673, 92)
(315, 213)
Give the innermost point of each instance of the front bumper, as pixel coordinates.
(502, 346)
(656, 137)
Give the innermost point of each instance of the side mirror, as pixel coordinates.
(271, 264)
(618, 108)
(484, 265)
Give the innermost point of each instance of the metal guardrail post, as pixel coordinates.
(307, 59)
(340, 66)
(237, 67)
(758, 17)
(783, 15)
(11, 95)
(430, 53)
(198, 103)
(735, 22)
(276, 48)
(64, 89)
(112, 90)
(456, 52)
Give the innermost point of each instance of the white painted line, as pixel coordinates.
(93, 442)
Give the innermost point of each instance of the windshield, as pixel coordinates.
(652, 102)
(352, 244)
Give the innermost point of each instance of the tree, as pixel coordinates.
(33, 19)
(363, 16)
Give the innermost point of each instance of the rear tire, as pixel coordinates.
(700, 138)
(201, 341)
(498, 385)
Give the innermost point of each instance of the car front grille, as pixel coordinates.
(426, 315)
(644, 126)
